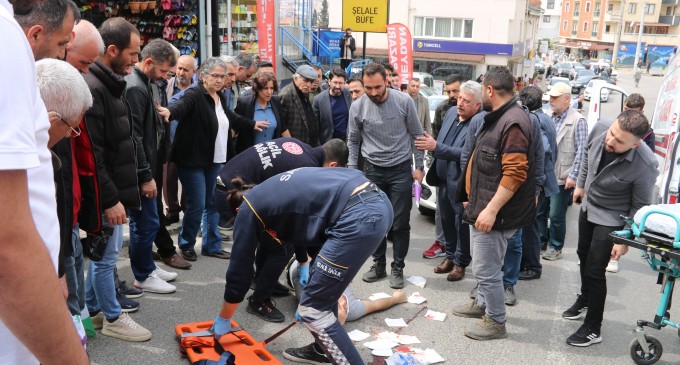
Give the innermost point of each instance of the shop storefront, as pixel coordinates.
(238, 27)
(176, 21)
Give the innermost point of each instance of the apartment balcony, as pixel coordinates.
(669, 19)
(670, 2)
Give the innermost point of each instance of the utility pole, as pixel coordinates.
(639, 42)
(617, 39)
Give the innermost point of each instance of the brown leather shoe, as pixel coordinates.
(456, 274)
(177, 262)
(444, 267)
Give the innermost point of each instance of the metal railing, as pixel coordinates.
(356, 67)
(324, 57)
(293, 52)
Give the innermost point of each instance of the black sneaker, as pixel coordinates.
(126, 305)
(575, 311)
(129, 292)
(584, 337)
(306, 354)
(265, 309)
(376, 273)
(397, 278)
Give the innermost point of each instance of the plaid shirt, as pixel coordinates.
(580, 138)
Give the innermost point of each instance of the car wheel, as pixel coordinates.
(425, 211)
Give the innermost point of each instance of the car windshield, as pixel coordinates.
(426, 90)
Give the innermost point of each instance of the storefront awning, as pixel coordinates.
(569, 45)
(600, 47)
(436, 56)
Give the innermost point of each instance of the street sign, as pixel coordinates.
(365, 16)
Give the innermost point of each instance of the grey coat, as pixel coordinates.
(423, 108)
(622, 187)
(324, 114)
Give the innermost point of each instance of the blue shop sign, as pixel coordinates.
(498, 49)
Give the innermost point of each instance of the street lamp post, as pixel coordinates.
(639, 42)
(617, 39)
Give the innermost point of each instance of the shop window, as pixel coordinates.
(443, 27)
(238, 27)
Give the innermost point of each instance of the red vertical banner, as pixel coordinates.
(266, 35)
(400, 50)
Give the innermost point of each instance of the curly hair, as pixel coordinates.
(260, 80)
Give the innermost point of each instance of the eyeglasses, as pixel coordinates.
(73, 132)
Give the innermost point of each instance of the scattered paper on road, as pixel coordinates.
(358, 336)
(395, 322)
(376, 296)
(407, 339)
(429, 356)
(387, 335)
(416, 298)
(380, 344)
(437, 316)
(382, 352)
(417, 281)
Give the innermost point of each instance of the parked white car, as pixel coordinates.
(433, 102)
(604, 93)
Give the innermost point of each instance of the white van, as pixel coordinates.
(666, 128)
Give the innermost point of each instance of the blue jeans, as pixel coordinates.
(100, 289)
(75, 276)
(513, 259)
(487, 261)
(199, 186)
(456, 232)
(144, 225)
(357, 233)
(558, 217)
(396, 181)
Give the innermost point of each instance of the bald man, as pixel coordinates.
(85, 47)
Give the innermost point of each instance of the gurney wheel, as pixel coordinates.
(638, 355)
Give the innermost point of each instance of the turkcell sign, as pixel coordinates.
(432, 45)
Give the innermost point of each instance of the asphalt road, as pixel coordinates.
(537, 333)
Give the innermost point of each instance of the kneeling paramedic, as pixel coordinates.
(338, 209)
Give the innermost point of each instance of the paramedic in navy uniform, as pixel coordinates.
(253, 166)
(339, 209)
(616, 178)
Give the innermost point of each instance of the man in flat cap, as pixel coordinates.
(296, 109)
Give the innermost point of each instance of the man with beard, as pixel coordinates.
(107, 124)
(499, 193)
(604, 197)
(382, 128)
(452, 89)
(331, 108)
(447, 151)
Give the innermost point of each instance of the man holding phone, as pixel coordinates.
(347, 47)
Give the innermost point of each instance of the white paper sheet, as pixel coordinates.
(395, 322)
(387, 335)
(376, 296)
(437, 316)
(416, 298)
(382, 352)
(358, 336)
(407, 339)
(380, 344)
(417, 281)
(429, 356)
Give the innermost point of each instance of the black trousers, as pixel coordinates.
(594, 251)
(531, 243)
(163, 241)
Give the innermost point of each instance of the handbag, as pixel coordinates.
(431, 178)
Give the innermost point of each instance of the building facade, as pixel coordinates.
(549, 25)
(451, 36)
(588, 29)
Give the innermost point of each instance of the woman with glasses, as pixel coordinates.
(202, 144)
(262, 104)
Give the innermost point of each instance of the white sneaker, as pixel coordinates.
(154, 284)
(126, 329)
(165, 275)
(613, 266)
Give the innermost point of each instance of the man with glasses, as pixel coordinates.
(331, 108)
(296, 109)
(382, 128)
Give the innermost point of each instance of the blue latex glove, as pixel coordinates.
(221, 326)
(303, 271)
(297, 316)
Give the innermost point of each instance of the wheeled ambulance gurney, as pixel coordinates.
(655, 230)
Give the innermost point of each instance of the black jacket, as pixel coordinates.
(194, 144)
(108, 125)
(147, 125)
(246, 108)
(63, 179)
(352, 46)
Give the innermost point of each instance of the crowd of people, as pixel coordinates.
(100, 132)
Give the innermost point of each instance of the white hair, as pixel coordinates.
(85, 32)
(474, 88)
(177, 52)
(230, 60)
(63, 89)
